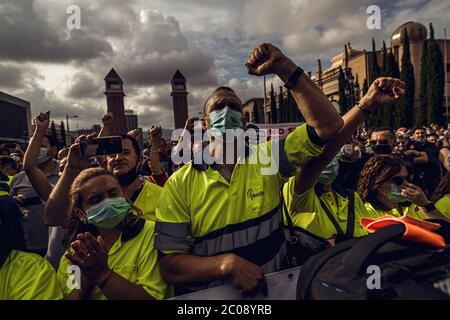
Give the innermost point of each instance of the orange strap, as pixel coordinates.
(416, 230)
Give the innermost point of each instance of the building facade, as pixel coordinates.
(15, 122)
(254, 110)
(131, 120)
(359, 63)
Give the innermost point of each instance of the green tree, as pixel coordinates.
(273, 106)
(53, 132)
(422, 112)
(435, 82)
(404, 111)
(255, 113)
(63, 134)
(343, 103)
(281, 112)
(384, 68)
(294, 113)
(375, 69)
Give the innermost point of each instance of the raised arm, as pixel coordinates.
(107, 125)
(383, 91)
(58, 203)
(315, 107)
(155, 139)
(37, 178)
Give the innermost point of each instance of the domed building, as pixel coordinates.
(416, 32)
(357, 63)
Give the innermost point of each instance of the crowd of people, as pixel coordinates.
(137, 225)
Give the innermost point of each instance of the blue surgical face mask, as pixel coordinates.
(329, 174)
(108, 213)
(224, 119)
(394, 195)
(42, 155)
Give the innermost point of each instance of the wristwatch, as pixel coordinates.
(289, 84)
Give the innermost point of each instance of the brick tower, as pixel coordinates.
(179, 99)
(114, 101)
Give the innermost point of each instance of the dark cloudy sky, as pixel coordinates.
(147, 40)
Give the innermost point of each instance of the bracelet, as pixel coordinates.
(103, 281)
(364, 110)
(293, 78)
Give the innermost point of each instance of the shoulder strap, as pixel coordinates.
(357, 257)
(351, 216)
(290, 225)
(136, 193)
(332, 219)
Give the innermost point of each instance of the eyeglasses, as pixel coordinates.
(375, 142)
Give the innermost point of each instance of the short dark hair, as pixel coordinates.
(8, 161)
(221, 88)
(379, 129)
(134, 142)
(417, 128)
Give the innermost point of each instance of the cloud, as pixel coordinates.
(84, 86)
(32, 36)
(147, 41)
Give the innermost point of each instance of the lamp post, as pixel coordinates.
(67, 120)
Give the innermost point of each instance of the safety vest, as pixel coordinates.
(27, 276)
(314, 220)
(202, 213)
(5, 186)
(146, 199)
(133, 257)
(443, 205)
(410, 211)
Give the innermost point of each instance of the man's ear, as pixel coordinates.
(80, 215)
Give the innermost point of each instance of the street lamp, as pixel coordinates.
(67, 120)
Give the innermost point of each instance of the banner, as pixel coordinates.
(282, 285)
(276, 129)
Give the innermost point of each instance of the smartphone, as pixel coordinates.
(101, 146)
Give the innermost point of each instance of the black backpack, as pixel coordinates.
(406, 270)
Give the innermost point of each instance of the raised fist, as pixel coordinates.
(383, 91)
(155, 132)
(107, 119)
(42, 120)
(268, 59)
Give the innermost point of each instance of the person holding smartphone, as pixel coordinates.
(33, 186)
(124, 166)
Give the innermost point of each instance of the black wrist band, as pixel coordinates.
(430, 207)
(293, 78)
